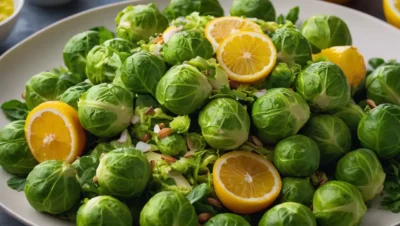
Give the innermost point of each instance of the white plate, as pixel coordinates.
(43, 51)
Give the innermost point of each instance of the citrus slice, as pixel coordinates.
(392, 12)
(218, 29)
(247, 57)
(245, 182)
(53, 132)
(349, 59)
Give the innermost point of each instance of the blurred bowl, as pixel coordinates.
(7, 25)
(49, 3)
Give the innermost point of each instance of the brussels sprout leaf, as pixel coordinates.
(198, 193)
(391, 200)
(236, 94)
(15, 110)
(16, 183)
(293, 14)
(105, 34)
(86, 167)
(375, 62)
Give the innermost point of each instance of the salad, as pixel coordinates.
(187, 117)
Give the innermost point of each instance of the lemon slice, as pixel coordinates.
(392, 12)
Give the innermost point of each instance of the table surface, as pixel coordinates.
(34, 18)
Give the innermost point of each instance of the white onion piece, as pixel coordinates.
(260, 93)
(157, 128)
(168, 34)
(124, 136)
(135, 119)
(143, 147)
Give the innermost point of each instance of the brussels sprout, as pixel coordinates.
(338, 203)
(282, 77)
(47, 86)
(296, 156)
(324, 86)
(224, 123)
(227, 219)
(104, 211)
(77, 48)
(299, 190)
(331, 134)
(100, 149)
(383, 85)
(180, 124)
(72, 94)
(351, 114)
(53, 187)
(15, 156)
(216, 75)
(183, 90)
(379, 130)
(278, 114)
(187, 45)
(181, 8)
(168, 208)
(288, 214)
(139, 22)
(324, 31)
(123, 172)
(260, 9)
(292, 46)
(192, 22)
(105, 110)
(174, 144)
(195, 142)
(362, 169)
(142, 71)
(121, 46)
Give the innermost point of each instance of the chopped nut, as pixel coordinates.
(95, 179)
(217, 204)
(233, 85)
(146, 137)
(161, 125)
(256, 141)
(150, 110)
(23, 95)
(152, 164)
(158, 40)
(165, 132)
(204, 217)
(168, 158)
(371, 103)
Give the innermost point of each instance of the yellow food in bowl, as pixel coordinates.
(6, 9)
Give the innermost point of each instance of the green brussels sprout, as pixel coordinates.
(324, 31)
(224, 123)
(72, 94)
(183, 90)
(362, 169)
(260, 9)
(297, 156)
(121, 46)
(105, 110)
(180, 124)
(278, 114)
(140, 22)
(53, 187)
(142, 71)
(292, 46)
(227, 219)
(379, 130)
(338, 203)
(47, 86)
(288, 214)
(282, 76)
(298, 190)
(187, 45)
(168, 208)
(195, 142)
(123, 173)
(331, 134)
(15, 156)
(351, 114)
(77, 48)
(383, 85)
(324, 86)
(181, 8)
(174, 144)
(192, 22)
(104, 211)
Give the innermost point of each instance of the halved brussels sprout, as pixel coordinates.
(331, 134)
(260, 9)
(168, 208)
(296, 156)
(292, 46)
(183, 90)
(298, 190)
(288, 214)
(187, 45)
(142, 71)
(15, 156)
(174, 144)
(383, 85)
(224, 123)
(324, 86)
(104, 211)
(105, 110)
(181, 8)
(324, 31)
(379, 130)
(279, 113)
(140, 22)
(227, 219)
(47, 86)
(53, 187)
(123, 172)
(338, 203)
(72, 94)
(362, 169)
(180, 124)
